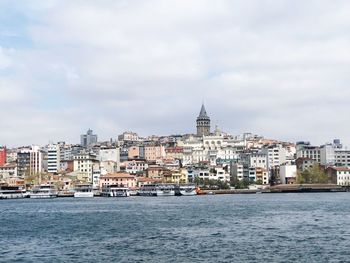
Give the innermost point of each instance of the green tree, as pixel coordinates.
(313, 175)
(242, 184)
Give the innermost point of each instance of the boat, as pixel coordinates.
(186, 190)
(157, 190)
(147, 190)
(83, 191)
(43, 191)
(165, 190)
(115, 191)
(13, 192)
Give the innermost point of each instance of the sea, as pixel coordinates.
(296, 227)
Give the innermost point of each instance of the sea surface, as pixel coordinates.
(305, 227)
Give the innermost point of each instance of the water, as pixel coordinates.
(220, 228)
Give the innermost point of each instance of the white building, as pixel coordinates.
(83, 166)
(254, 160)
(8, 170)
(276, 155)
(288, 174)
(339, 175)
(53, 158)
(112, 154)
(305, 150)
(327, 154)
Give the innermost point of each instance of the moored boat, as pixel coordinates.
(187, 190)
(43, 191)
(13, 192)
(157, 190)
(115, 191)
(83, 191)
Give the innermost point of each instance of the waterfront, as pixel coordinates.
(222, 228)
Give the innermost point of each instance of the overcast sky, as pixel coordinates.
(278, 68)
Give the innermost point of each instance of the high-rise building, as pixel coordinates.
(53, 158)
(88, 139)
(29, 161)
(203, 123)
(3, 156)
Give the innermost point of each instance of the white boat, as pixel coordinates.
(147, 190)
(115, 191)
(165, 190)
(12, 192)
(188, 190)
(157, 190)
(83, 191)
(43, 191)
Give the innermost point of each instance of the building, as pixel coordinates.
(342, 158)
(276, 155)
(339, 175)
(305, 150)
(175, 153)
(175, 176)
(134, 152)
(152, 153)
(304, 163)
(135, 166)
(128, 137)
(29, 161)
(118, 179)
(53, 158)
(83, 166)
(8, 170)
(203, 123)
(254, 160)
(288, 174)
(3, 156)
(88, 139)
(110, 154)
(236, 171)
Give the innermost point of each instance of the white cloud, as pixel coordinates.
(276, 67)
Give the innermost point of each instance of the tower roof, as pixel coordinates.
(203, 113)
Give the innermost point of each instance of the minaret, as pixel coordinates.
(203, 123)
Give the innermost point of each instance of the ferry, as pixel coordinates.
(83, 191)
(157, 190)
(43, 191)
(13, 192)
(115, 191)
(186, 190)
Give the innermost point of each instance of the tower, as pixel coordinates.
(203, 123)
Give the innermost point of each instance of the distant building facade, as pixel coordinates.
(88, 139)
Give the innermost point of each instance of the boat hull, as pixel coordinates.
(13, 196)
(188, 193)
(165, 192)
(83, 194)
(43, 196)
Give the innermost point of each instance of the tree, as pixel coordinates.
(312, 175)
(243, 184)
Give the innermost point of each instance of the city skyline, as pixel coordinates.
(278, 70)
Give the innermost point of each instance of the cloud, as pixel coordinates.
(278, 68)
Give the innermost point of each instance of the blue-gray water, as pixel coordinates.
(222, 228)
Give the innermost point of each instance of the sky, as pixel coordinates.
(277, 68)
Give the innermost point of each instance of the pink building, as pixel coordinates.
(118, 179)
(133, 152)
(153, 153)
